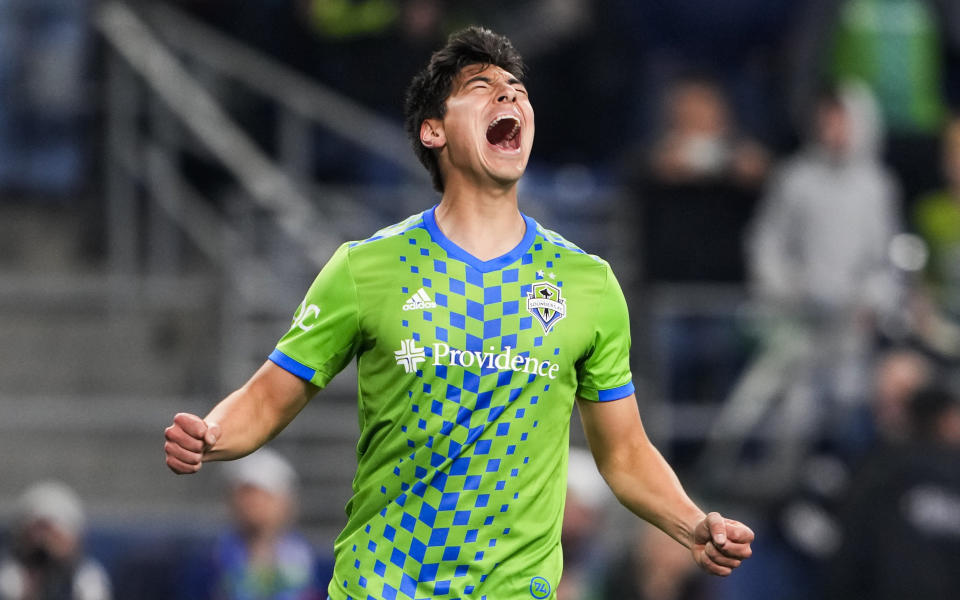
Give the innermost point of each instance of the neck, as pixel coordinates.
(486, 225)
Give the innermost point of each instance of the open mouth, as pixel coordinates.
(504, 132)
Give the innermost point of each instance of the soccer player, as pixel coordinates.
(474, 329)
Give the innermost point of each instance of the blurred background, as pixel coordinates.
(776, 184)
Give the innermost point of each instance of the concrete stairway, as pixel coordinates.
(87, 385)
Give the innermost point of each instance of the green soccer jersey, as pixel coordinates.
(468, 371)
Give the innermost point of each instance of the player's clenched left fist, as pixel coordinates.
(721, 545)
(187, 440)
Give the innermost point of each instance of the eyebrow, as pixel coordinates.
(485, 79)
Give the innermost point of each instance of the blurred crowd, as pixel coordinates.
(259, 554)
(807, 152)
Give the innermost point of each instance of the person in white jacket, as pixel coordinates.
(820, 241)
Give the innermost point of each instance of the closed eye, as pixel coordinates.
(478, 82)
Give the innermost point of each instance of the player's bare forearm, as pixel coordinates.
(254, 414)
(644, 483)
(635, 470)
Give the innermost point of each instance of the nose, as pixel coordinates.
(507, 94)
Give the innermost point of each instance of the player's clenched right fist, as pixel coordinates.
(187, 440)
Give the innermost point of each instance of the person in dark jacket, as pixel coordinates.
(901, 523)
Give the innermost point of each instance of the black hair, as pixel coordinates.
(428, 91)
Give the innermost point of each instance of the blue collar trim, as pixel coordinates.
(484, 266)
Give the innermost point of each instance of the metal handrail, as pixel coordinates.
(267, 184)
(281, 84)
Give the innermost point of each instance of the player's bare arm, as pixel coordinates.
(646, 484)
(240, 423)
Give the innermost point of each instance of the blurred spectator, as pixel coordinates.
(900, 373)
(261, 557)
(42, 99)
(46, 559)
(901, 531)
(820, 242)
(653, 566)
(699, 184)
(820, 239)
(700, 140)
(936, 219)
(696, 188)
(585, 553)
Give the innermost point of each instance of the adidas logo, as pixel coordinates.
(419, 301)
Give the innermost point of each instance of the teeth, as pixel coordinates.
(516, 123)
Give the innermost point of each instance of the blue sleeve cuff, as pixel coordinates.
(285, 362)
(616, 393)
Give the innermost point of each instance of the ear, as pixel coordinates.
(431, 134)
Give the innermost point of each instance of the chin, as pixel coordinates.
(501, 164)
(507, 177)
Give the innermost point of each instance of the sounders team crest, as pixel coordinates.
(546, 305)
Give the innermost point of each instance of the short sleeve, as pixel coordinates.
(325, 332)
(604, 374)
